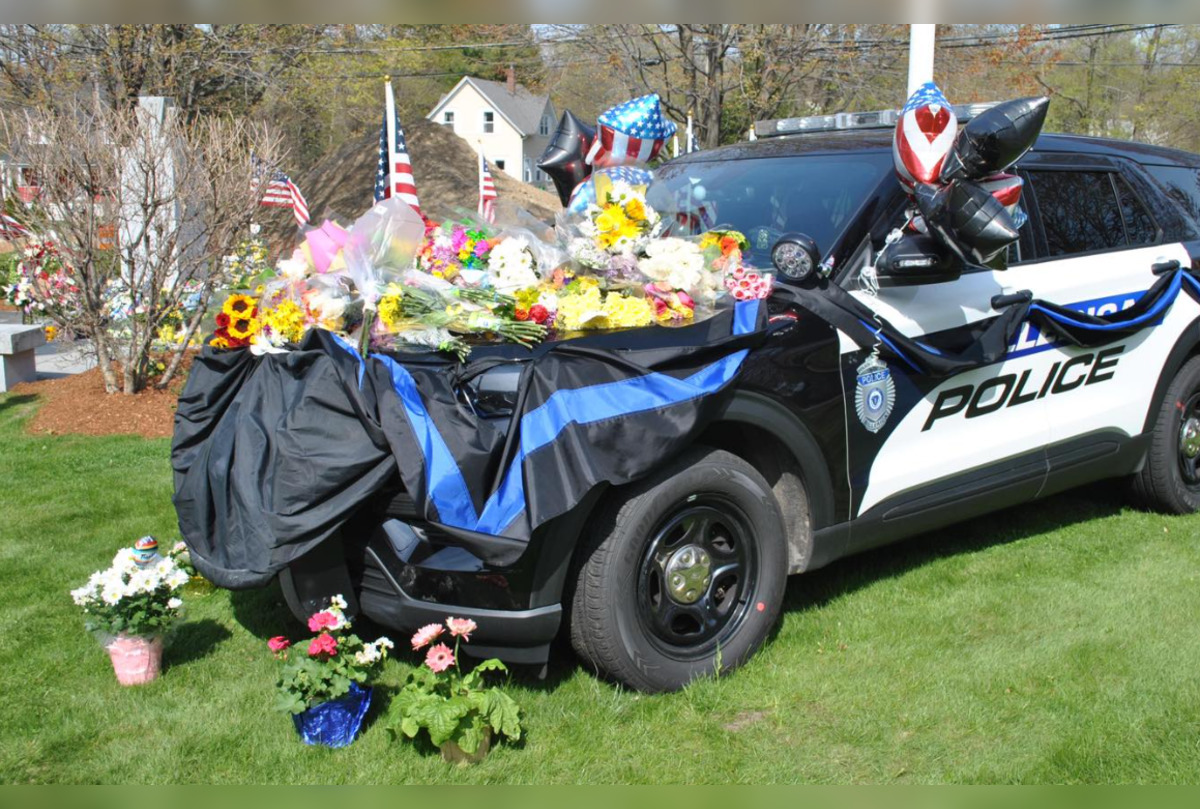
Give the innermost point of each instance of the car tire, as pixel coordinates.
(1170, 479)
(683, 574)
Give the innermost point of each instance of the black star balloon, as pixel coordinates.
(966, 218)
(996, 139)
(564, 157)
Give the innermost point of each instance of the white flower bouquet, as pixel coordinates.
(132, 598)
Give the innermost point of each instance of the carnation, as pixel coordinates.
(676, 262)
(511, 264)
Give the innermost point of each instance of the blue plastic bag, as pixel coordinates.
(336, 723)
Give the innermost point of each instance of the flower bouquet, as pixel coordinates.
(324, 684)
(458, 712)
(130, 605)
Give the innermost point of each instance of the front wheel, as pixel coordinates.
(1170, 480)
(683, 575)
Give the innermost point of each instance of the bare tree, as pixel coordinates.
(730, 75)
(143, 205)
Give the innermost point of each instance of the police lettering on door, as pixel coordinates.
(1011, 390)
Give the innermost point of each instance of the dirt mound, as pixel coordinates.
(445, 167)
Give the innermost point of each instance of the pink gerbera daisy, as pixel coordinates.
(439, 658)
(461, 627)
(426, 635)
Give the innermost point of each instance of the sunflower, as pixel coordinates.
(238, 306)
(244, 327)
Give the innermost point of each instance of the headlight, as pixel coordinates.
(795, 256)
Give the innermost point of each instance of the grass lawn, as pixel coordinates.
(1057, 643)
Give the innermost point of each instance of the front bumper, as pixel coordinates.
(410, 573)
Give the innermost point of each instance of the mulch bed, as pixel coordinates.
(78, 405)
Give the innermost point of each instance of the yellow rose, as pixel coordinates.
(635, 210)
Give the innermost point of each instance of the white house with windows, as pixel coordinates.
(508, 124)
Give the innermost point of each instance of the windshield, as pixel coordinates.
(767, 197)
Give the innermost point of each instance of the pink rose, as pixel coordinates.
(278, 643)
(461, 627)
(426, 635)
(439, 658)
(323, 644)
(323, 620)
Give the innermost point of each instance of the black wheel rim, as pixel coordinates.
(1189, 441)
(697, 576)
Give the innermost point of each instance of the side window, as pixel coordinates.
(1139, 227)
(1182, 185)
(1079, 211)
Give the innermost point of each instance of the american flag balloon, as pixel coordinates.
(1006, 188)
(632, 133)
(924, 136)
(588, 191)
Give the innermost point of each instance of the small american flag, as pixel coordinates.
(281, 192)
(393, 174)
(11, 228)
(487, 192)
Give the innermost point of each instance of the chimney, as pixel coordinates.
(512, 80)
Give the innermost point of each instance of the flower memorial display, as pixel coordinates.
(394, 281)
(457, 710)
(132, 596)
(43, 282)
(329, 665)
(129, 607)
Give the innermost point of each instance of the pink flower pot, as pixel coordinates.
(136, 660)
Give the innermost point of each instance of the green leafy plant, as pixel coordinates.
(449, 705)
(324, 668)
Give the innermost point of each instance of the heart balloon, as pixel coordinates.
(564, 157)
(996, 139)
(924, 135)
(1006, 188)
(966, 218)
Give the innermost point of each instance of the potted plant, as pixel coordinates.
(196, 585)
(130, 606)
(323, 684)
(457, 710)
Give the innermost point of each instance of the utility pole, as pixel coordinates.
(920, 54)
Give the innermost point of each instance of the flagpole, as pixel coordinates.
(390, 121)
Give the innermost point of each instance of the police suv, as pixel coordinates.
(828, 446)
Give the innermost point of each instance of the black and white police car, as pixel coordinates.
(829, 447)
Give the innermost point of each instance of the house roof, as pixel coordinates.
(522, 109)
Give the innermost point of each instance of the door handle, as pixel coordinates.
(1011, 299)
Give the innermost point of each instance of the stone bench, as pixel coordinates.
(17, 344)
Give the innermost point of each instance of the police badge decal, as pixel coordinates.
(876, 393)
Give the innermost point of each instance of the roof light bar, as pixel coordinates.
(880, 119)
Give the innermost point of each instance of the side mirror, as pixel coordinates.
(795, 256)
(917, 259)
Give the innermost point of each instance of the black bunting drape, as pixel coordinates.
(861, 324)
(273, 454)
